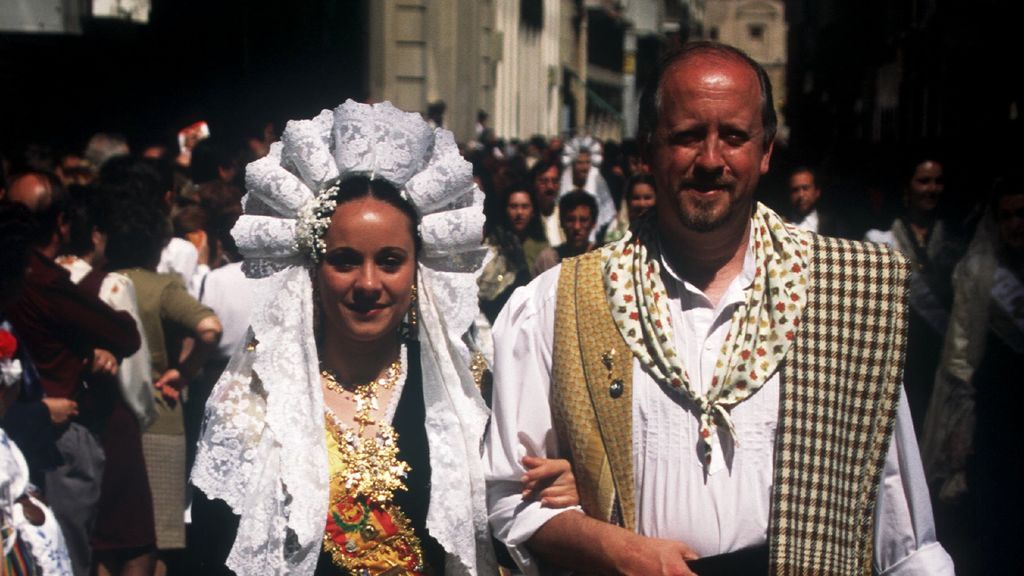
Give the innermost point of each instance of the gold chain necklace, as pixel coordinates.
(371, 464)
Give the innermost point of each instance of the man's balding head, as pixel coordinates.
(44, 195)
(32, 190)
(651, 99)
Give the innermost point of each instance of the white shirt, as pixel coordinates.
(553, 228)
(230, 294)
(808, 222)
(728, 511)
(179, 257)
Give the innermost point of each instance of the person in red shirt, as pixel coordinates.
(70, 335)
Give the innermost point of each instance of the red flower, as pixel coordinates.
(745, 354)
(633, 316)
(780, 307)
(8, 345)
(794, 297)
(796, 268)
(614, 276)
(761, 351)
(628, 298)
(789, 335)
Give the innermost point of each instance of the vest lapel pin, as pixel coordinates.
(617, 388)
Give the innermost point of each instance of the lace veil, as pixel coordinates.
(262, 447)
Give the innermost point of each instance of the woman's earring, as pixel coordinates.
(413, 314)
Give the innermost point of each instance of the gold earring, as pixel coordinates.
(413, 315)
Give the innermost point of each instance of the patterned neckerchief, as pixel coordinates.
(761, 331)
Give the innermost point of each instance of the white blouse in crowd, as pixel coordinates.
(727, 510)
(135, 373)
(808, 222)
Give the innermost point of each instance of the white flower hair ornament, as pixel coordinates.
(262, 448)
(573, 147)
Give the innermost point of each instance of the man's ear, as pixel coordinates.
(766, 158)
(63, 229)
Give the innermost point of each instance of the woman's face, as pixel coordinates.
(926, 186)
(366, 276)
(520, 210)
(641, 199)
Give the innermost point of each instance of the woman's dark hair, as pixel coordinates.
(137, 229)
(82, 220)
(641, 178)
(358, 187)
(534, 229)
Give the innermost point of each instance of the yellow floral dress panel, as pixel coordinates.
(362, 536)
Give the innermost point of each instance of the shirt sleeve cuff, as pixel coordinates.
(529, 517)
(929, 560)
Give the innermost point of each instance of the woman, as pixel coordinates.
(344, 445)
(179, 332)
(516, 242)
(346, 433)
(122, 405)
(972, 423)
(929, 244)
(639, 195)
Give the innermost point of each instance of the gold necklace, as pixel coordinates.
(371, 464)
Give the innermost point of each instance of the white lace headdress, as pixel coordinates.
(579, 144)
(262, 449)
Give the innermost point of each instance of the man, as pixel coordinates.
(70, 335)
(804, 209)
(578, 213)
(582, 158)
(725, 404)
(544, 177)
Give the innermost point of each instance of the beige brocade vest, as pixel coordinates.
(840, 388)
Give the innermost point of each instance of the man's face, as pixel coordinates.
(577, 225)
(708, 149)
(580, 168)
(1010, 222)
(803, 193)
(546, 183)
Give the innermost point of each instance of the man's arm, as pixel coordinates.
(521, 425)
(90, 322)
(583, 544)
(905, 541)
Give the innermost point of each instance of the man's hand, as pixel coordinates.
(642, 556)
(549, 481)
(61, 409)
(573, 540)
(103, 362)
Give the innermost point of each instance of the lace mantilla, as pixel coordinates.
(579, 144)
(262, 448)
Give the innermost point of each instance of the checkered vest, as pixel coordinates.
(840, 387)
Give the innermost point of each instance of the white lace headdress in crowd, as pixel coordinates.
(573, 147)
(262, 449)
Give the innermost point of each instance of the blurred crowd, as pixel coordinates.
(125, 296)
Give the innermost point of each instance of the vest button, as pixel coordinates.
(617, 388)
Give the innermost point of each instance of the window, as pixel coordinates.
(756, 31)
